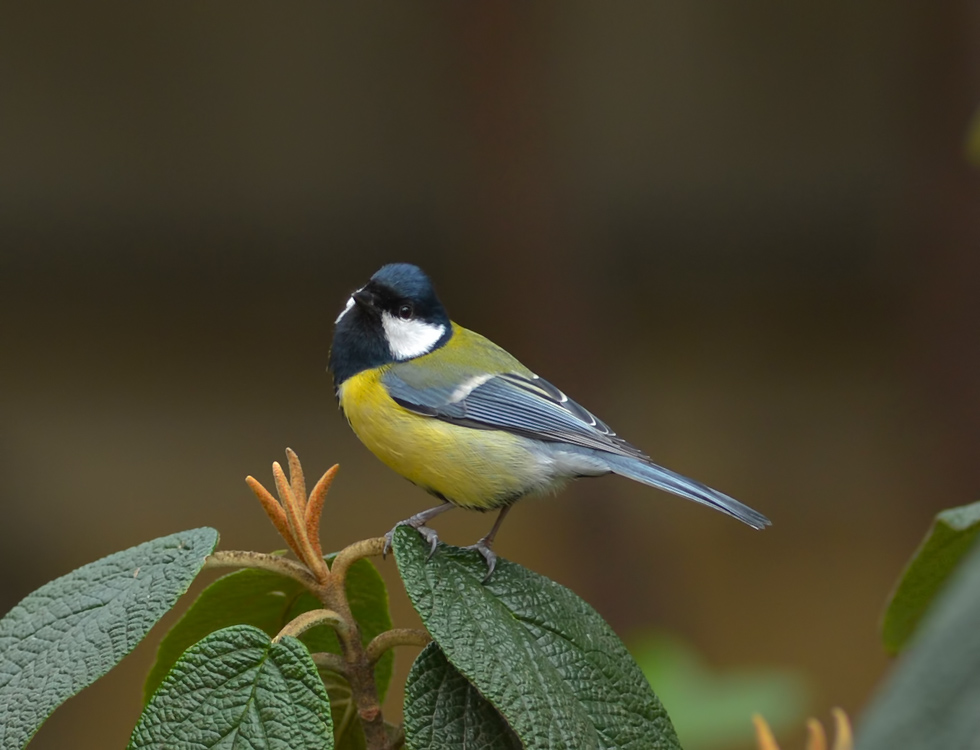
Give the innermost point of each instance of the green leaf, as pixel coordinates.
(238, 689)
(931, 699)
(951, 536)
(268, 601)
(543, 657)
(443, 710)
(710, 709)
(73, 630)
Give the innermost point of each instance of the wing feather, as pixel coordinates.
(523, 405)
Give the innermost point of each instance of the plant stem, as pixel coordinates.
(396, 637)
(310, 619)
(333, 662)
(358, 666)
(396, 736)
(262, 561)
(354, 552)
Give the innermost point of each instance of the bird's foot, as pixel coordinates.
(419, 525)
(483, 547)
(418, 522)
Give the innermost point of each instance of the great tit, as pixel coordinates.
(461, 418)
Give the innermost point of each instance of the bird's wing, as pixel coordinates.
(522, 404)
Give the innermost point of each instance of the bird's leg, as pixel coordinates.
(418, 522)
(484, 545)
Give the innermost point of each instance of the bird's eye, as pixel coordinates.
(406, 312)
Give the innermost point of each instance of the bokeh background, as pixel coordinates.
(745, 234)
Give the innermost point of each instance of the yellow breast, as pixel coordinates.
(472, 468)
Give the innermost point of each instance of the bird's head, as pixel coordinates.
(394, 317)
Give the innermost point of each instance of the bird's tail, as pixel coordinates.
(665, 479)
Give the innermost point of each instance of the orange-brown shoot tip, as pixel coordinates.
(256, 486)
(763, 734)
(815, 737)
(842, 727)
(280, 477)
(323, 484)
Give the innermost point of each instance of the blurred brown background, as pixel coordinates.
(743, 233)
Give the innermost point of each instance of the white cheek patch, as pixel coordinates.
(347, 307)
(410, 338)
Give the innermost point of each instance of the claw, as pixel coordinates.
(483, 547)
(418, 522)
(431, 537)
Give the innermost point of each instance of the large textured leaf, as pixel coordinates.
(268, 601)
(237, 690)
(932, 700)
(443, 710)
(543, 657)
(74, 629)
(951, 536)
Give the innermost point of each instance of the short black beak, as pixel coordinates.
(364, 298)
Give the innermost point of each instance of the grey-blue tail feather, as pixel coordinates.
(671, 481)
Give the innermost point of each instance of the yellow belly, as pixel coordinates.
(472, 468)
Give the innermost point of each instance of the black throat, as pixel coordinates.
(358, 345)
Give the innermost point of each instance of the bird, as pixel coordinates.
(463, 419)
